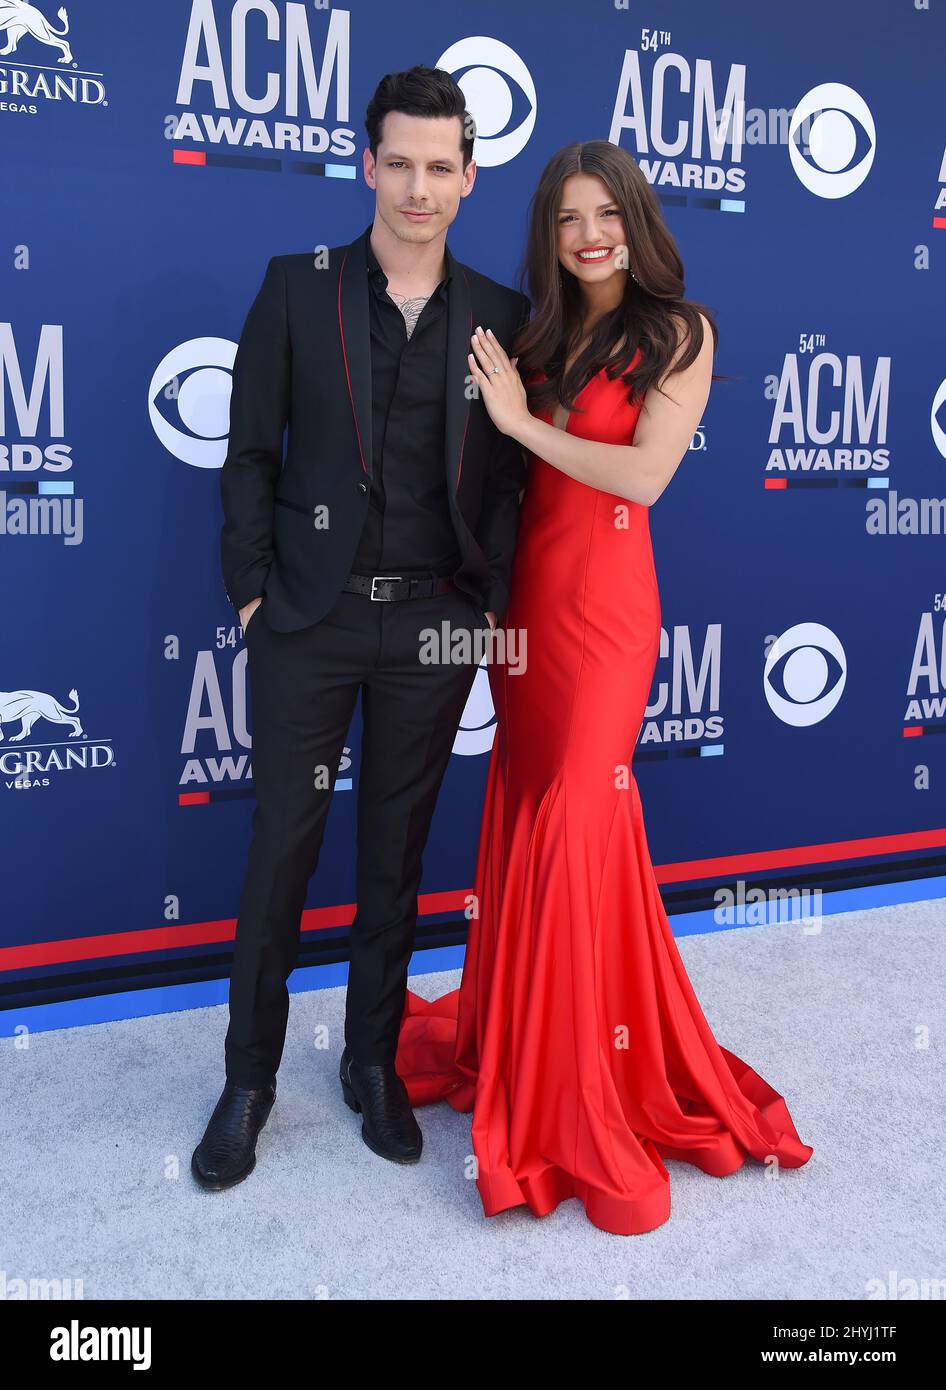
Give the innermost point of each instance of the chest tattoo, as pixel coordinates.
(410, 306)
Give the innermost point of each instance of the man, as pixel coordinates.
(396, 509)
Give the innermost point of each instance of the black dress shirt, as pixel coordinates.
(408, 528)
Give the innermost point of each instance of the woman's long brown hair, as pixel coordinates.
(644, 316)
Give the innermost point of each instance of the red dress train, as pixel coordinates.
(576, 1038)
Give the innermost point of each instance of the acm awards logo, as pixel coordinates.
(289, 95)
(216, 742)
(216, 715)
(686, 119)
(829, 413)
(926, 685)
(26, 81)
(685, 709)
(36, 495)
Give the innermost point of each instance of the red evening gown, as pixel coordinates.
(575, 1037)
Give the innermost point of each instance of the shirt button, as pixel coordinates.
(363, 487)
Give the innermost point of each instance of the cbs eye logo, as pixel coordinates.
(805, 673)
(939, 433)
(189, 400)
(478, 721)
(832, 140)
(500, 96)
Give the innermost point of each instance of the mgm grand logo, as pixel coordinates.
(31, 762)
(22, 86)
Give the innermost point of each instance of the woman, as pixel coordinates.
(576, 1038)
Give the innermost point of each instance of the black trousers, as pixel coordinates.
(304, 687)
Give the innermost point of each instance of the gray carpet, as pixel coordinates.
(98, 1125)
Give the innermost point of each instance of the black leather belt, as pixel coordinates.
(389, 588)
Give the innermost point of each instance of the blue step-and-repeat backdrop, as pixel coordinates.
(151, 166)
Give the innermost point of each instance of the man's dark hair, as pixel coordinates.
(420, 91)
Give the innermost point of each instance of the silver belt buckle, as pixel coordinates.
(382, 577)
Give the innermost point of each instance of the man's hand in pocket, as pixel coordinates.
(247, 612)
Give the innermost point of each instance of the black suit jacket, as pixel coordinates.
(303, 361)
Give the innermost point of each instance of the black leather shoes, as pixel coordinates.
(377, 1092)
(227, 1152)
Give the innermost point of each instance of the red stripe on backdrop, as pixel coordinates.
(192, 934)
(340, 915)
(867, 848)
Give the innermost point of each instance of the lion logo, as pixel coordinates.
(18, 18)
(30, 705)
